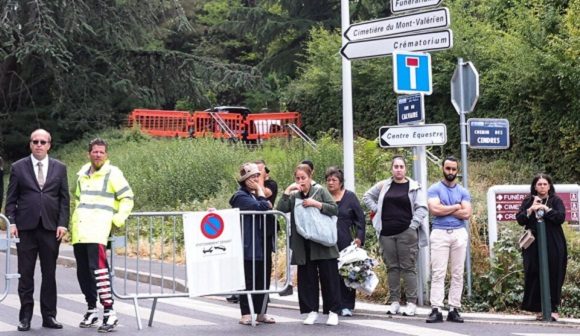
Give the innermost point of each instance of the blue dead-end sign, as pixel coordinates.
(412, 72)
(410, 109)
(488, 133)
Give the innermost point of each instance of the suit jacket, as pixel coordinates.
(26, 203)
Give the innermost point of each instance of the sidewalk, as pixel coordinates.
(66, 258)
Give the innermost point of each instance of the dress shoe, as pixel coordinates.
(24, 325)
(454, 316)
(435, 317)
(51, 323)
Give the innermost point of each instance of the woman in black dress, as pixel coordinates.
(543, 203)
(350, 220)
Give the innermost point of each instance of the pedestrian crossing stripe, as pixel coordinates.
(406, 329)
(129, 309)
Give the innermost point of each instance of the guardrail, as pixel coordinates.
(5, 244)
(150, 254)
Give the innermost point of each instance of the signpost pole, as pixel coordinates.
(347, 119)
(462, 127)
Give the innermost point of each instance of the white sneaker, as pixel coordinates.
(410, 309)
(394, 308)
(312, 316)
(346, 312)
(332, 319)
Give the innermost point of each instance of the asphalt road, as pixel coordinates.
(214, 316)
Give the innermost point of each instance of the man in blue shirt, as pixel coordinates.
(450, 205)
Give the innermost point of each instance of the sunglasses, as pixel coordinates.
(36, 142)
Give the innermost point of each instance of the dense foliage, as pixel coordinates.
(72, 67)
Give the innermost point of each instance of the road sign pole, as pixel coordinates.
(347, 119)
(544, 271)
(420, 175)
(462, 127)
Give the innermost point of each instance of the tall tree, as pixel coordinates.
(77, 66)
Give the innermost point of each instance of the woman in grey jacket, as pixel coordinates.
(399, 209)
(317, 264)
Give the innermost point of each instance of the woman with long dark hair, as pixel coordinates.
(543, 204)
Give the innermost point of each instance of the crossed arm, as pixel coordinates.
(459, 210)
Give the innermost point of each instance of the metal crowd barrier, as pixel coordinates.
(149, 259)
(5, 244)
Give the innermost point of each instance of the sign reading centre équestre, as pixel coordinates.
(410, 136)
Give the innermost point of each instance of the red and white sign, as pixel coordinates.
(508, 204)
(214, 254)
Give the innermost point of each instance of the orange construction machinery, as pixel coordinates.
(225, 122)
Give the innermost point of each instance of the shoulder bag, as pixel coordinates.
(314, 225)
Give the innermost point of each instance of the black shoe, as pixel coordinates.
(51, 323)
(287, 291)
(454, 316)
(233, 298)
(435, 316)
(24, 325)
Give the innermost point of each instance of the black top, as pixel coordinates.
(396, 213)
(271, 219)
(351, 219)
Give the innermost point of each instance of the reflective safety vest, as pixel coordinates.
(101, 199)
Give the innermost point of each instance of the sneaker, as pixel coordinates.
(90, 319)
(332, 319)
(454, 316)
(287, 291)
(394, 308)
(312, 316)
(346, 312)
(410, 309)
(435, 317)
(110, 321)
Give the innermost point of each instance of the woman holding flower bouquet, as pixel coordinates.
(317, 263)
(351, 219)
(399, 209)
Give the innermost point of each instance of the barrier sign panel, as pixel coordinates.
(214, 255)
(508, 204)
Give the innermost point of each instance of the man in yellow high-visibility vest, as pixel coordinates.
(102, 198)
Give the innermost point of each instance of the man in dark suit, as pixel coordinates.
(38, 205)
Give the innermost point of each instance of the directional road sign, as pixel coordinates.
(412, 72)
(413, 135)
(394, 25)
(434, 40)
(410, 109)
(404, 5)
(465, 84)
(488, 133)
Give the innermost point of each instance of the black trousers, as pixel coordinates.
(308, 286)
(38, 243)
(258, 280)
(93, 274)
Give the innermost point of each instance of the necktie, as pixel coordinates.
(40, 175)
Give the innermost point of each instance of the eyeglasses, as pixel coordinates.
(36, 142)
